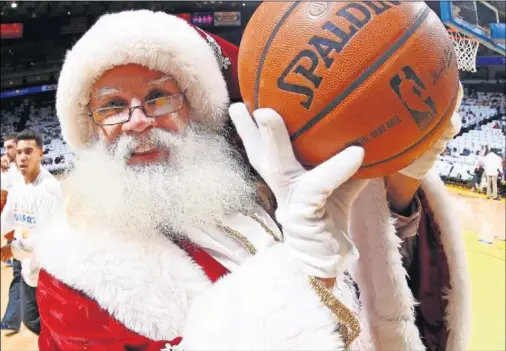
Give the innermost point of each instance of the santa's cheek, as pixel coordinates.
(110, 134)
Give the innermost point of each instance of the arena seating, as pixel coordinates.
(484, 125)
(41, 118)
(57, 156)
(480, 107)
(475, 140)
(11, 115)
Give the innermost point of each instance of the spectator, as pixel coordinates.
(30, 203)
(478, 172)
(493, 166)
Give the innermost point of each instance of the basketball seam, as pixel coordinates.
(363, 77)
(267, 47)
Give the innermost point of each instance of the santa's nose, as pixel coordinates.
(139, 122)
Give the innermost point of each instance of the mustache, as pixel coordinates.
(157, 138)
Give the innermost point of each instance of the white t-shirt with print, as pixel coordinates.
(27, 206)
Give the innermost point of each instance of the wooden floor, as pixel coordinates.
(25, 340)
(480, 218)
(478, 214)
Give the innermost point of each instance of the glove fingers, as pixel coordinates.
(328, 176)
(247, 130)
(276, 142)
(419, 168)
(452, 129)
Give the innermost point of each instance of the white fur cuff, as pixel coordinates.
(266, 304)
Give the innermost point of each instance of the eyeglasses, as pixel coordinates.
(108, 116)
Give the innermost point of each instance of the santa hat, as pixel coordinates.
(203, 65)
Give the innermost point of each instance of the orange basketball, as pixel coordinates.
(380, 74)
(3, 199)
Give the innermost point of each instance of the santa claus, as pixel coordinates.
(165, 238)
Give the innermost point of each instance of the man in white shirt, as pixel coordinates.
(493, 166)
(30, 203)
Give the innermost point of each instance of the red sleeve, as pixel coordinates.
(71, 321)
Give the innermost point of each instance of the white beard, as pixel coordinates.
(203, 182)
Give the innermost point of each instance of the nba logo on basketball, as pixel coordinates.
(318, 8)
(410, 89)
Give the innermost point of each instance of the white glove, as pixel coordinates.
(319, 241)
(338, 207)
(420, 167)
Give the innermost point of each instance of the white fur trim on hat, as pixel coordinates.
(155, 40)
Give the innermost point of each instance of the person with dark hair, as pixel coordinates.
(31, 202)
(30, 135)
(478, 172)
(10, 144)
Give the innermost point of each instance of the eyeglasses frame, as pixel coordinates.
(131, 110)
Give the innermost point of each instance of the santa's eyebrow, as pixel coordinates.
(108, 91)
(104, 92)
(161, 80)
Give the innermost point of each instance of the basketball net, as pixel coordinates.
(466, 49)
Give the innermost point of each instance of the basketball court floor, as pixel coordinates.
(480, 218)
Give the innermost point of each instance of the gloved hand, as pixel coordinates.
(338, 208)
(420, 167)
(319, 241)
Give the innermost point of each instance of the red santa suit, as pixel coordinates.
(90, 327)
(101, 291)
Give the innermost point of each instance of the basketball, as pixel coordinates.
(3, 199)
(382, 75)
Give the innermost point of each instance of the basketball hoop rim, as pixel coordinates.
(455, 34)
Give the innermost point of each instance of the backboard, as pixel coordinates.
(476, 19)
